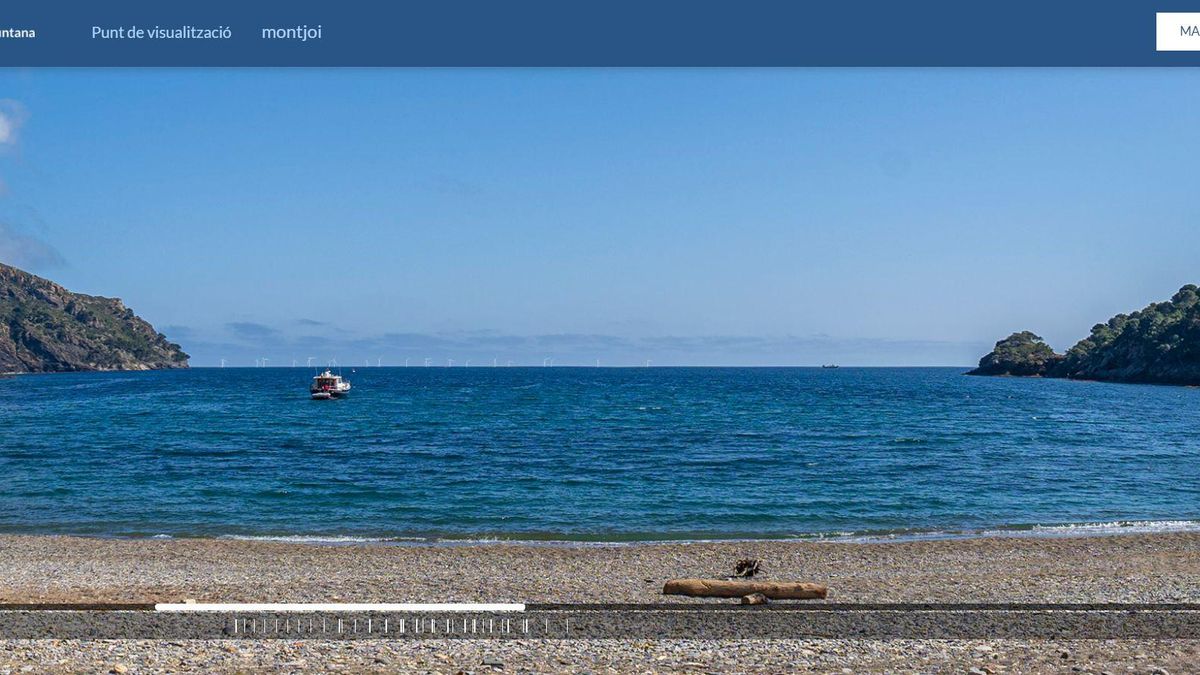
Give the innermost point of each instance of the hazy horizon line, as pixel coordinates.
(577, 366)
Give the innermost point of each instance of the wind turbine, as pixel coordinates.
(378, 361)
(467, 364)
(427, 362)
(449, 363)
(493, 362)
(222, 363)
(547, 362)
(308, 364)
(406, 361)
(293, 363)
(264, 361)
(508, 364)
(647, 363)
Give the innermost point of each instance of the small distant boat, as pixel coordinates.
(831, 365)
(327, 386)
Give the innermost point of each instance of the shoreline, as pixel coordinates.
(1146, 567)
(1014, 531)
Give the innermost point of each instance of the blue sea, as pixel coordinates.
(592, 454)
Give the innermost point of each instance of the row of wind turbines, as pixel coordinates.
(263, 362)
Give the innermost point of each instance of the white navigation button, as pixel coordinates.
(1178, 31)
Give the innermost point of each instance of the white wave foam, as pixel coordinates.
(1119, 527)
(315, 538)
(1086, 529)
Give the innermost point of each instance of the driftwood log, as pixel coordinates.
(720, 588)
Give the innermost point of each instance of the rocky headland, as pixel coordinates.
(46, 328)
(1158, 344)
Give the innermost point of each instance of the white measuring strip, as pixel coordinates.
(337, 607)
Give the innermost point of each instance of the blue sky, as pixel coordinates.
(875, 217)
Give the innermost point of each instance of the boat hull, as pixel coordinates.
(327, 385)
(326, 394)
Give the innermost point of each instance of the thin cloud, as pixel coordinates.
(455, 187)
(249, 330)
(22, 249)
(12, 118)
(481, 346)
(178, 332)
(18, 246)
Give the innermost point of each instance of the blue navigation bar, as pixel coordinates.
(608, 33)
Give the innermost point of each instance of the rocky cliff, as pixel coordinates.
(46, 328)
(1157, 344)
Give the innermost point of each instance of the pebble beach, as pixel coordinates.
(1120, 568)
(1139, 568)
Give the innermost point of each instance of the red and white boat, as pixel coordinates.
(327, 385)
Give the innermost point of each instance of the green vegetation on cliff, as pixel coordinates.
(46, 328)
(1158, 344)
(1021, 354)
